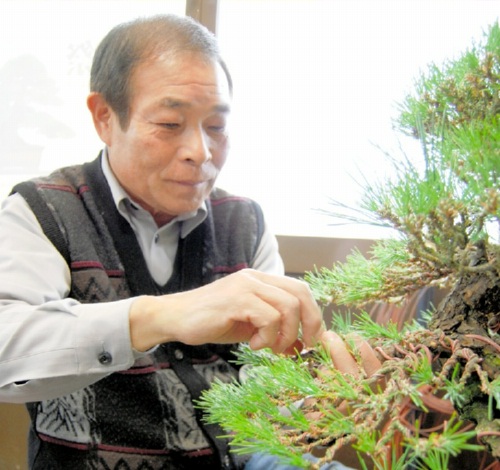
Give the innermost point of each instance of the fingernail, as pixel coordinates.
(330, 336)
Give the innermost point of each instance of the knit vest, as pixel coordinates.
(141, 418)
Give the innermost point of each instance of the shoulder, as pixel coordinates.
(64, 180)
(220, 196)
(241, 218)
(223, 202)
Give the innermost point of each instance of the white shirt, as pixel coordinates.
(50, 344)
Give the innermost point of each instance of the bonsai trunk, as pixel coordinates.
(470, 314)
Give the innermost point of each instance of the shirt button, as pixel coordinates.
(179, 355)
(105, 358)
(157, 237)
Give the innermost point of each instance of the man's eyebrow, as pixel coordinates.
(174, 103)
(222, 108)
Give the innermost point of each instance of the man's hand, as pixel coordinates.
(343, 358)
(264, 309)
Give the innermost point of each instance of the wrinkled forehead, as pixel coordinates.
(181, 81)
(182, 59)
(185, 66)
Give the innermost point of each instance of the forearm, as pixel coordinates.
(147, 329)
(60, 347)
(49, 343)
(264, 309)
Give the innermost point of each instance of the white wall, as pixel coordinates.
(47, 49)
(315, 86)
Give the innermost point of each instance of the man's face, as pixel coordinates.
(169, 156)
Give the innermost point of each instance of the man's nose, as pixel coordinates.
(196, 146)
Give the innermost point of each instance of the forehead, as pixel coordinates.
(180, 80)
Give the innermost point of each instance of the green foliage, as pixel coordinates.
(288, 406)
(435, 451)
(364, 325)
(394, 463)
(367, 276)
(493, 389)
(459, 92)
(442, 209)
(456, 391)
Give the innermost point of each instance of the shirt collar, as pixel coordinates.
(126, 206)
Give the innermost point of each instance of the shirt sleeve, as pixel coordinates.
(267, 257)
(50, 344)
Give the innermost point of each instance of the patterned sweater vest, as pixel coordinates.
(141, 418)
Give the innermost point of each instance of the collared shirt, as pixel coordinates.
(50, 344)
(159, 245)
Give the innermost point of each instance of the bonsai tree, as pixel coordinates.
(437, 393)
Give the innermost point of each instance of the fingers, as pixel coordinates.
(343, 356)
(371, 362)
(265, 310)
(298, 308)
(342, 359)
(267, 322)
(295, 347)
(279, 328)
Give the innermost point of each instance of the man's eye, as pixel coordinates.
(217, 128)
(169, 125)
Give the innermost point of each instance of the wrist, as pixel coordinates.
(146, 326)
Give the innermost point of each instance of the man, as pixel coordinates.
(126, 282)
(102, 263)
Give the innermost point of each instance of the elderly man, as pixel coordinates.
(127, 282)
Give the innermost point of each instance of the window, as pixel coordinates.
(316, 83)
(47, 48)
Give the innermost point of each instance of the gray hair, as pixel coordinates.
(129, 44)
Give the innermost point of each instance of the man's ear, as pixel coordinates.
(102, 115)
